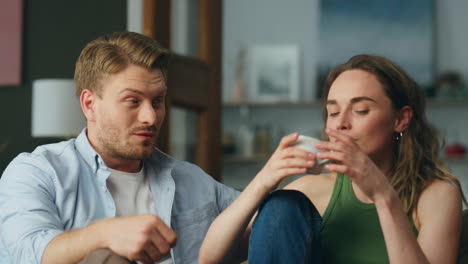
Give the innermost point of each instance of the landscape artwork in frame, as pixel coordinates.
(401, 31)
(274, 73)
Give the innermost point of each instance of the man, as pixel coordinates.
(109, 193)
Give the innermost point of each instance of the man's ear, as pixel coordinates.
(403, 119)
(88, 104)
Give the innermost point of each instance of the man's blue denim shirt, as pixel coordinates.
(62, 186)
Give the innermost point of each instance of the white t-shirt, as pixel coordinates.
(131, 193)
(132, 196)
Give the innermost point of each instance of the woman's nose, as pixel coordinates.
(343, 122)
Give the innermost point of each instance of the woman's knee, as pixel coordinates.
(288, 205)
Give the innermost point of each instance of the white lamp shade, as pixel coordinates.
(56, 111)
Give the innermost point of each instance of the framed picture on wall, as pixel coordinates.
(274, 73)
(11, 29)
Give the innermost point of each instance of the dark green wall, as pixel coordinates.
(54, 32)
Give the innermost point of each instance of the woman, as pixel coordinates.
(386, 198)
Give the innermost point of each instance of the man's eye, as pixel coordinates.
(334, 114)
(158, 100)
(132, 101)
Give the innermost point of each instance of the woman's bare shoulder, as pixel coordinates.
(439, 211)
(438, 196)
(439, 190)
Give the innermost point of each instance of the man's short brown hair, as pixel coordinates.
(112, 53)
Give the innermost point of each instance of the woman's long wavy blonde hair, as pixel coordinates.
(415, 157)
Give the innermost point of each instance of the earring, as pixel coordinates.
(399, 136)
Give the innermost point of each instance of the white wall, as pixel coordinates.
(184, 27)
(135, 16)
(257, 22)
(248, 22)
(452, 36)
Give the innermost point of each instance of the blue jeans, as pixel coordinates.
(286, 230)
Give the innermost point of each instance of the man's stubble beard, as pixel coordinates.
(114, 147)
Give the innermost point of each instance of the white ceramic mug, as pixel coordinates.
(308, 144)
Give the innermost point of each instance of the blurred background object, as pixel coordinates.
(56, 111)
(450, 86)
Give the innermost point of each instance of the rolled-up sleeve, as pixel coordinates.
(225, 195)
(29, 218)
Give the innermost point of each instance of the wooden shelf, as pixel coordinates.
(430, 102)
(441, 102)
(461, 160)
(264, 158)
(270, 104)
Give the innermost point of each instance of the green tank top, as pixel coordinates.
(351, 231)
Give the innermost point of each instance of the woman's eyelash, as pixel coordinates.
(362, 112)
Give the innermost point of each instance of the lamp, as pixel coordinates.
(56, 111)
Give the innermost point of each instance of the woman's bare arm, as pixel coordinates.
(228, 235)
(439, 214)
